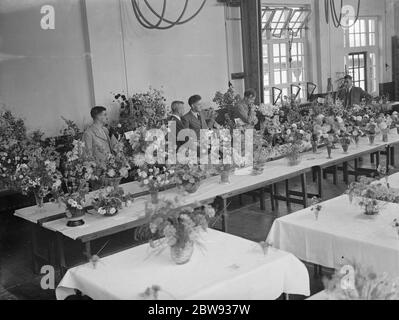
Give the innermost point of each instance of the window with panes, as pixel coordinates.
(284, 44)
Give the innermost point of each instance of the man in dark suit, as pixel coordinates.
(177, 114)
(195, 119)
(242, 110)
(352, 95)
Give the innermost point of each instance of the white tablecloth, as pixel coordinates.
(341, 234)
(228, 268)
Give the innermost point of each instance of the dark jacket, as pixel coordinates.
(179, 123)
(190, 121)
(355, 96)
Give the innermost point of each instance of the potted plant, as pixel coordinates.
(79, 169)
(155, 178)
(110, 200)
(371, 195)
(116, 167)
(178, 226)
(188, 176)
(39, 173)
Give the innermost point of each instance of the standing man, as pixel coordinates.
(195, 119)
(97, 141)
(352, 95)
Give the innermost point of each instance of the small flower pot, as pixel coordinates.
(182, 255)
(191, 187)
(225, 177)
(154, 197)
(329, 151)
(39, 199)
(314, 147)
(371, 210)
(294, 159)
(345, 147)
(258, 169)
(371, 139)
(75, 217)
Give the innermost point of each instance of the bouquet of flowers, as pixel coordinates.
(370, 194)
(395, 120)
(146, 109)
(295, 144)
(110, 200)
(384, 124)
(39, 174)
(178, 226)
(155, 178)
(365, 285)
(75, 203)
(189, 175)
(12, 140)
(345, 140)
(116, 166)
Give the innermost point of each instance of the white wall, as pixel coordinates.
(185, 60)
(43, 73)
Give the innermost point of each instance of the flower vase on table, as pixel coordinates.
(177, 225)
(293, 154)
(314, 146)
(39, 198)
(75, 216)
(371, 138)
(385, 133)
(182, 254)
(258, 168)
(112, 182)
(154, 194)
(225, 173)
(370, 207)
(329, 150)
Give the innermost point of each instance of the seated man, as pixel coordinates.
(244, 111)
(177, 115)
(352, 95)
(195, 119)
(97, 141)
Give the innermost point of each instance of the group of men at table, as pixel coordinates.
(99, 143)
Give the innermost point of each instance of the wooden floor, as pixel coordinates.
(18, 282)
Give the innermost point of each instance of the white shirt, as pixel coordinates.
(176, 116)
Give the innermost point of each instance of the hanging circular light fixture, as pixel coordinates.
(162, 23)
(346, 14)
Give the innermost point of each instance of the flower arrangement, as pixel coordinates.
(316, 207)
(345, 139)
(39, 174)
(155, 178)
(12, 140)
(110, 200)
(178, 226)
(146, 109)
(384, 125)
(369, 194)
(116, 166)
(295, 145)
(395, 120)
(371, 130)
(188, 176)
(366, 285)
(79, 169)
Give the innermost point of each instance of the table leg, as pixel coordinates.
(345, 172)
(377, 161)
(287, 195)
(392, 156)
(275, 192)
(61, 254)
(224, 216)
(34, 249)
(272, 198)
(335, 175)
(87, 252)
(304, 190)
(262, 199)
(356, 169)
(320, 182)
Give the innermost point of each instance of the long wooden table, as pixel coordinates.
(96, 227)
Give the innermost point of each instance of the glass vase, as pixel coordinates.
(39, 199)
(182, 254)
(371, 139)
(225, 177)
(112, 182)
(191, 187)
(385, 136)
(293, 159)
(154, 196)
(371, 210)
(345, 147)
(329, 151)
